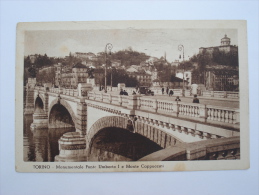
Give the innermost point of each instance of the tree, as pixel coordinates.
(120, 76)
(46, 76)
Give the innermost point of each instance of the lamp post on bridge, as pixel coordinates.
(112, 69)
(181, 48)
(108, 48)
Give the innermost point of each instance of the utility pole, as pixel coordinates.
(181, 48)
(109, 48)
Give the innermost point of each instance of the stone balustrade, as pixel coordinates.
(69, 92)
(179, 92)
(198, 112)
(221, 114)
(40, 88)
(216, 149)
(221, 94)
(189, 109)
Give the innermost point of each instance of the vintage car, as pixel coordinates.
(145, 90)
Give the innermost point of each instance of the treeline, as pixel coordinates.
(129, 57)
(41, 61)
(215, 58)
(120, 76)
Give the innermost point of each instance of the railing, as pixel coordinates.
(221, 94)
(221, 114)
(69, 92)
(189, 109)
(146, 104)
(200, 112)
(124, 101)
(115, 99)
(232, 95)
(212, 149)
(164, 106)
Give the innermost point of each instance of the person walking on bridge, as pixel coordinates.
(195, 99)
(171, 93)
(177, 99)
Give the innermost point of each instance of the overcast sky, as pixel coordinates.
(152, 42)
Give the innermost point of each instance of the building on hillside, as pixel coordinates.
(176, 82)
(221, 78)
(131, 70)
(71, 77)
(175, 63)
(66, 79)
(58, 74)
(151, 60)
(79, 72)
(154, 75)
(224, 47)
(89, 55)
(142, 77)
(115, 63)
(187, 76)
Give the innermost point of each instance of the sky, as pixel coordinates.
(153, 42)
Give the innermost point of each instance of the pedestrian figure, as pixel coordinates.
(167, 90)
(171, 92)
(163, 90)
(134, 93)
(125, 93)
(121, 92)
(195, 99)
(137, 89)
(177, 99)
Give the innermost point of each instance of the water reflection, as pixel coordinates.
(110, 144)
(41, 145)
(115, 144)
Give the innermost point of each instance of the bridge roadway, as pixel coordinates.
(223, 102)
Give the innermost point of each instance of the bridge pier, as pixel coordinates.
(29, 104)
(72, 148)
(40, 121)
(81, 121)
(40, 115)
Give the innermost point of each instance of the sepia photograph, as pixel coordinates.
(131, 96)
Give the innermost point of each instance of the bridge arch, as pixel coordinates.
(108, 121)
(156, 135)
(39, 105)
(62, 105)
(111, 138)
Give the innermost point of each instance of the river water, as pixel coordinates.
(111, 144)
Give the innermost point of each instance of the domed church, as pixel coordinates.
(225, 46)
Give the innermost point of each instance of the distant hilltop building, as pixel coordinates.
(175, 63)
(224, 47)
(89, 55)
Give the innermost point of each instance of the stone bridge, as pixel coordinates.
(167, 124)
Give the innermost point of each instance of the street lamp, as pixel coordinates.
(181, 48)
(108, 48)
(112, 69)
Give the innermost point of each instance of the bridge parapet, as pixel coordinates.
(69, 92)
(198, 112)
(217, 149)
(178, 127)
